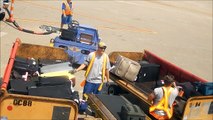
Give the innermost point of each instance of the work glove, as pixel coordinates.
(73, 71)
(107, 84)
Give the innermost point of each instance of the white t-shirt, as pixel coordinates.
(95, 74)
(158, 92)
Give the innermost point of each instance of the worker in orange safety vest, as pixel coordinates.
(66, 17)
(3, 5)
(162, 99)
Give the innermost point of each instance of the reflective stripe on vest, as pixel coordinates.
(67, 9)
(91, 63)
(163, 104)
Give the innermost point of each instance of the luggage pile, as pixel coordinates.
(146, 75)
(29, 77)
(130, 70)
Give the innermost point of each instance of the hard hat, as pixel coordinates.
(102, 44)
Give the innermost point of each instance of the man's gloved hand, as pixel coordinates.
(107, 84)
(73, 71)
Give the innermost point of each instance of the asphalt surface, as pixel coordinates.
(178, 31)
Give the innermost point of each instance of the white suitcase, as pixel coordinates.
(57, 67)
(126, 68)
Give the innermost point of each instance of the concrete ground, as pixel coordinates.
(178, 31)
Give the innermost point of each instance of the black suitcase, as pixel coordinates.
(132, 112)
(57, 91)
(69, 35)
(51, 81)
(148, 72)
(20, 86)
(189, 89)
(22, 65)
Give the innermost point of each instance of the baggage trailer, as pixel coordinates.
(19, 106)
(194, 107)
(14, 106)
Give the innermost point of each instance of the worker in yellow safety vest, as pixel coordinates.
(97, 70)
(66, 17)
(163, 98)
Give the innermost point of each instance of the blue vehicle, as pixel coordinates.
(78, 41)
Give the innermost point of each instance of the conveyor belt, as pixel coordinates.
(113, 104)
(133, 88)
(147, 86)
(108, 107)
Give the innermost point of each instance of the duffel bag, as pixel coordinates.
(126, 68)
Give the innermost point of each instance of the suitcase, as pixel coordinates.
(204, 88)
(68, 34)
(65, 66)
(126, 68)
(189, 89)
(22, 65)
(57, 91)
(44, 62)
(20, 86)
(75, 97)
(148, 72)
(51, 81)
(132, 112)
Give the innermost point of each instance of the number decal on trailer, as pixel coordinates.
(22, 102)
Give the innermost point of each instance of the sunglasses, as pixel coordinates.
(102, 48)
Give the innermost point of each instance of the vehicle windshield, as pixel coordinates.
(86, 38)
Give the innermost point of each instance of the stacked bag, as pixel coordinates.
(126, 68)
(130, 70)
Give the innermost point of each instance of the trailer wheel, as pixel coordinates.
(113, 90)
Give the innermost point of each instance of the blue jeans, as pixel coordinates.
(91, 88)
(66, 20)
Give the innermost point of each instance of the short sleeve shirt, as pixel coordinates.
(95, 74)
(159, 95)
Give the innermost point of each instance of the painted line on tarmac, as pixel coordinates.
(37, 20)
(126, 26)
(2, 34)
(130, 3)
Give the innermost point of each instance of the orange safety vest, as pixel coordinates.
(90, 66)
(67, 10)
(163, 105)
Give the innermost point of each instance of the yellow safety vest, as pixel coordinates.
(68, 10)
(163, 105)
(103, 68)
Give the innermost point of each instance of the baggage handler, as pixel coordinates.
(3, 5)
(66, 17)
(163, 98)
(98, 66)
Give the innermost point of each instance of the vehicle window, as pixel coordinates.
(86, 38)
